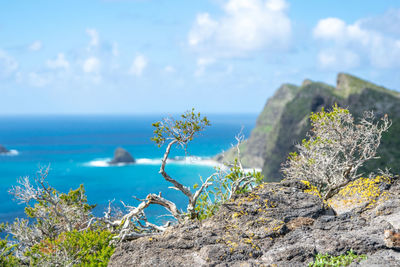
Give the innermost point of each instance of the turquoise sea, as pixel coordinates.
(78, 147)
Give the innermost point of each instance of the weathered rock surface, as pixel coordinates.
(277, 224)
(121, 156)
(283, 123)
(3, 149)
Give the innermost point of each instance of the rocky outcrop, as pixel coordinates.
(3, 150)
(121, 156)
(284, 121)
(278, 224)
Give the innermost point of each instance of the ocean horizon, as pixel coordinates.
(78, 147)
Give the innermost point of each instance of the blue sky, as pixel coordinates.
(163, 56)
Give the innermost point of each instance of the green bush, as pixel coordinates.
(7, 250)
(61, 229)
(224, 185)
(86, 248)
(326, 260)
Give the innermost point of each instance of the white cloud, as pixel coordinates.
(169, 69)
(115, 50)
(342, 60)
(202, 64)
(330, 28)
(8, 65)
(387, 23)
(59, 63)
(37, 80)
(203, 29)
(245, 26)
(138, 65)
(35, 46)
(277, 5)
(91, 65)
(94, 38)
(346, 45)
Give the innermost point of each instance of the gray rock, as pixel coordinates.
(276, 224)
(3, 149)
(121, 156)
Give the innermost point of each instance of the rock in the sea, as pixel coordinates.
(122, 156)
(3, 149)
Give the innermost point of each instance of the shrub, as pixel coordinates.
(331, 155)
(52, 212)
(224, 185)
(86, 248)
(325, 260)
(7, 251)
(59, 229)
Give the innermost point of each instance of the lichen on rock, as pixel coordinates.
(277, 223)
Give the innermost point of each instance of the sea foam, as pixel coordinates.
(104, 162)
(192, 160)
(12, 152)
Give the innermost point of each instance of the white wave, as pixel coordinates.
(146, 161)
(12, 152)
(198, 161)
(192, 160)
(105, 162)
(98, 163)
(178, 160)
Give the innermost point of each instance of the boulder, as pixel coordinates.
(3, 149)
(121, 156)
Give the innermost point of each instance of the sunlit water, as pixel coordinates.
(78, 148)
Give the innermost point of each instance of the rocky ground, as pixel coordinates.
(279, 224)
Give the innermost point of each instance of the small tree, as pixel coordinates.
(335, 149)
(62, 231)
(180, 132)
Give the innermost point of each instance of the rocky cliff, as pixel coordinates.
(280, 224)
(284, 121)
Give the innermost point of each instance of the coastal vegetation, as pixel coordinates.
(61, 230)
(335, 149)
(322, 260)
(284, 122)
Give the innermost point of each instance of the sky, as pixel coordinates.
(167, 56)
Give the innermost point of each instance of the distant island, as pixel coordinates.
(121, 156)
(3, 150)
